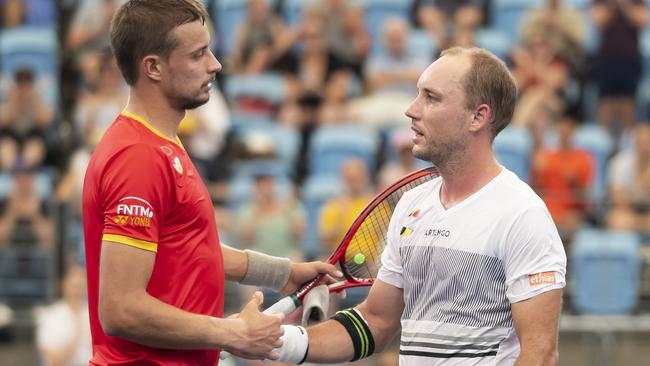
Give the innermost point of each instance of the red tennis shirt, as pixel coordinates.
(142, 190)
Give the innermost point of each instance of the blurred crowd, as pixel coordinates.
(307, 123)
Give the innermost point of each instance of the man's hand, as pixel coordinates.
(303, 272)
(255, 335)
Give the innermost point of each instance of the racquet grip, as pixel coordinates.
(285, 306)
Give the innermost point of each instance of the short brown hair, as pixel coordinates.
(488, 81)
(143, 27)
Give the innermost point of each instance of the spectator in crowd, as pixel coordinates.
(563, 178)
(271, 223)
(401, 142)
(68, 195)
(537, 65)
(63, 328)
(442, 17)
(537, 110)
(312, 69)
(617, 67)
(563, 28)
(629, 185)
(397, 68)
(24, 117)
(13, 13)
(260, 41)
(348, 39)
(390, 76)
(339, 212)
(87, 36)
(97, 108)
(24, 218)
(317, 80)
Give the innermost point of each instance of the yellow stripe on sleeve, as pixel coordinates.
(137, 243)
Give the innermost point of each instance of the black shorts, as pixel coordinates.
(617, 78)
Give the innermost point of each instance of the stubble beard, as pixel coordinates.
(445, 155)
(187, 103)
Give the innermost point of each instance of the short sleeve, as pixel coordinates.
(533, 256)
(135, 191)
(391, 270)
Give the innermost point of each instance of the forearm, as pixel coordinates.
(235, 263)
(146, 320)
(328, 336)
(254, 268)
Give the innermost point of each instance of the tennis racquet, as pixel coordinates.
(359, 253)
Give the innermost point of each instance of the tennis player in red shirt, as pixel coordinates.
(156, 268)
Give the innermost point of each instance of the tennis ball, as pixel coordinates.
(359, 258)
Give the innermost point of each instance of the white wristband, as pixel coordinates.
(294, 345)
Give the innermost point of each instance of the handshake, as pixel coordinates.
(293, 343)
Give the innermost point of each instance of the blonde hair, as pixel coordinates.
(488, 81)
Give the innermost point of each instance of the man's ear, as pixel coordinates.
(151, 67)
(482, 118)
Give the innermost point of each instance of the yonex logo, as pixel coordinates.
(133, 211)
(120, 220)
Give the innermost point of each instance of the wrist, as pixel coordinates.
(295, 345)
(266, 271)
(226, 332)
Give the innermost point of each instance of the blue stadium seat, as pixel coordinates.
(513, 148)
(286, 140)
(43, 184)
(494, 41)
(33, 48)
(605, 270)
(421, 43)
(599, 143)
(315, 192)
(378, 11)
(41, 13)
(269, 89)
(331, 145)
(292, 10)
(228, 14)
(506, 16)
(241, 185)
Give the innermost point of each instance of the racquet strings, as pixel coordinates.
(363, 254)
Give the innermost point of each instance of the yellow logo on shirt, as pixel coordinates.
(405, 232)
(132, 220)
(133, 211)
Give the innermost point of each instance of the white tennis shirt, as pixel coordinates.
(461, 269)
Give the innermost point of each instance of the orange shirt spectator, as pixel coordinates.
(563, 177)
